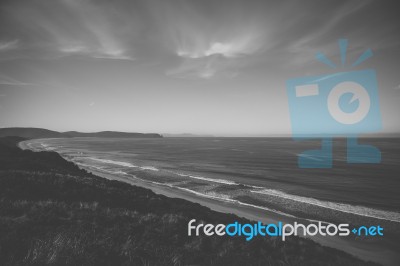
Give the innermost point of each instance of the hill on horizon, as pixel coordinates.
(34, 133)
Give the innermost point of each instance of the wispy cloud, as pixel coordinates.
(65, 27)
(8, 45)
(95, 52)
(241, 43)
(6, 80)
(205, 67)
(327, 24)
(349, 19)
(197, 39)
(102, 26)
(209, 46)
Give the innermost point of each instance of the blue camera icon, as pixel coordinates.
(340, 104)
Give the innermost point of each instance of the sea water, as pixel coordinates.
(258, 172)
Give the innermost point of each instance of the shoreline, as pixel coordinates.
(361, 249)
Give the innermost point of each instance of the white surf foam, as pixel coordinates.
(347, 208)
(124, 164)
(151, 168)
(220, 181)
(224, 198)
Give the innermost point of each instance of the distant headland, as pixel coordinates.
(35, 133)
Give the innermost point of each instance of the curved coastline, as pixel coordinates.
(359, 249)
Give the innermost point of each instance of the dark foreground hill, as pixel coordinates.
(53, 213)
(35, 133)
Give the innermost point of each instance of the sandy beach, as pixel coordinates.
(376, 251)
(362, 249)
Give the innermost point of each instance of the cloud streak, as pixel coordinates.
(209, 46)
(209, 55)
(205, 67)
(63, 27)
(8, 45)
(6, 80)
(192, 39)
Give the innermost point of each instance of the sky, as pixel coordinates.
(174, 66)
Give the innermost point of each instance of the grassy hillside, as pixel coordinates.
(53, 213)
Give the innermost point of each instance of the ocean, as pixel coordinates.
(257, 172)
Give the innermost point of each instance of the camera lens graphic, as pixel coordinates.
(359, 94)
